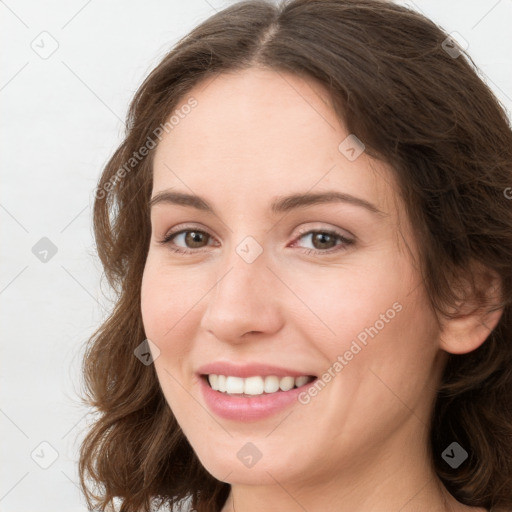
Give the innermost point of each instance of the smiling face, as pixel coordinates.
(300, 286)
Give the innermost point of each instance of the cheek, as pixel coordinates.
(341, 304)
(167, 312)
(388, 354)
(154, 306)
(167, 300)
(376, 318)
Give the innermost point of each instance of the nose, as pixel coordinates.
(243, 300)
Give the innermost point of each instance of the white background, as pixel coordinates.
(61, 119)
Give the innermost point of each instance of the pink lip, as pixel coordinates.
(242, 408)
(248, 370)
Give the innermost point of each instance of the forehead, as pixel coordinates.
(259, 133)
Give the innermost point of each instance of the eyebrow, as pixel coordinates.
(282, 204)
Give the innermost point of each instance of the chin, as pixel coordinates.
(247, 464)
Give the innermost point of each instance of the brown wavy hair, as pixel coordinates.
(417, 106)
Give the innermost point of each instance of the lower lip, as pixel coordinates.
(240, 408)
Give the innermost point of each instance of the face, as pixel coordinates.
(325, 290)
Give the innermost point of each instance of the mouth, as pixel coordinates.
(251, 392)
(255, 385)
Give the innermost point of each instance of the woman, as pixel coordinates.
(309, 229)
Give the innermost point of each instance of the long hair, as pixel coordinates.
(398, 86)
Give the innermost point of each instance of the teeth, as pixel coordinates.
(300, 381)
(234, 384)
(286, 383)
(271, 384)
(214, 382)
(255, 385)
(221, 383)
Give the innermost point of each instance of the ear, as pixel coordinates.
(475, 315)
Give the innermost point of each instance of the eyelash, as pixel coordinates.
(345, 242)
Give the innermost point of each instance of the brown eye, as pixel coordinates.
(325, 242)
(186, 240)
(194, 239)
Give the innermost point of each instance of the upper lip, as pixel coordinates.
(248, 370)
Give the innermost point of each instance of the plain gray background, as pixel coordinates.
(68, 72)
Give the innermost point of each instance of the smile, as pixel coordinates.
(246, 407)
(257, 385)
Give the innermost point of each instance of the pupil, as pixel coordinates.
(322, 236)
(195, 236)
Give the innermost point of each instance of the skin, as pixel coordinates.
(361, 444)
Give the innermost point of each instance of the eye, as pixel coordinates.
(324, 241)
(192, 237)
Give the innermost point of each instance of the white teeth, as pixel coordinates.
(234, 384)
(271, 384)
(286, 383)
(214, 382)
(255, 385)
(221, 383)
